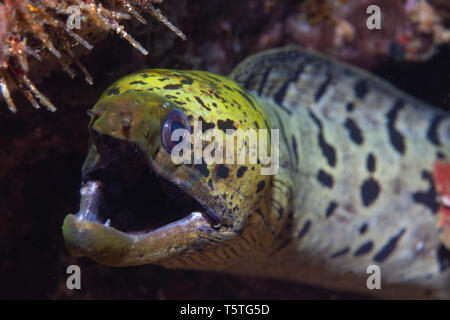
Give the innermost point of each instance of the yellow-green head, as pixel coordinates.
(138, 205)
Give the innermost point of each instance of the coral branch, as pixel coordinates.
(44, 22)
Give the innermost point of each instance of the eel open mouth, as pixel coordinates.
(123, 192)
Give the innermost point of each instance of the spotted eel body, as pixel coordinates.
(354, 187)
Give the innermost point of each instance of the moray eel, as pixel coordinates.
(354, 186)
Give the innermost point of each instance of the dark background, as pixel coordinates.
(41, 153)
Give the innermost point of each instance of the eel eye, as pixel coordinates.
(175, 120)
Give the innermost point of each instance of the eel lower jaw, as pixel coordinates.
(87, 234)
(130, 215)
(109, 246)
(92, 235)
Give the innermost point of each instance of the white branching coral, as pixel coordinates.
(44, 22)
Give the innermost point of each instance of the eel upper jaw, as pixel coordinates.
(102, 229)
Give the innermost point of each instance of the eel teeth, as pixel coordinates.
(91, 197)
(214, 220)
